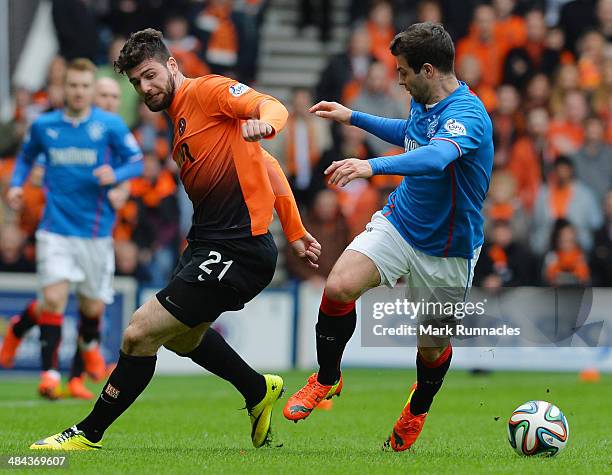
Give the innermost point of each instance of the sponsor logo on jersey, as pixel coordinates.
(454, 127)
(95, 130)
(182, 125)
(410, 144)
(73, 156)
(238, 89)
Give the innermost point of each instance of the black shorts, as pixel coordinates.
(214, 276)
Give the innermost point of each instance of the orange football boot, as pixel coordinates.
(50, 385)
(95, 366)
(302, 403)
(10, 343)
(407, 428)
(78, 390)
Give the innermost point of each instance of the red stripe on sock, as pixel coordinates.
(50, 318)
(333, 308)
(31, 311)
(440, 360)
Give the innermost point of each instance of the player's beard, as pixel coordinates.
(168, 96)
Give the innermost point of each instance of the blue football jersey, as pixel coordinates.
(76, 205)
(440, 213)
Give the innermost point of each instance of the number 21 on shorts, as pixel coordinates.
(215, 259)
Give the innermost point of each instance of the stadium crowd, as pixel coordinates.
(542, 68)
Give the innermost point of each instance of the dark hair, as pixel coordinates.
(563, 160)
(425, 43)
(142, 45)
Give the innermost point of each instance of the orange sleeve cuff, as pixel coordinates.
(274, 113)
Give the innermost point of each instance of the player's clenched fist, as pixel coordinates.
(14, 197)
(333, 111)
(344, 171)
(254, 130)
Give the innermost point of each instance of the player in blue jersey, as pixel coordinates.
(431, 229)
(90, 361)
(87, 151)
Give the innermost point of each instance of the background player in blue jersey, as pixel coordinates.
(108, 98)
(86, 151)
(431, 229)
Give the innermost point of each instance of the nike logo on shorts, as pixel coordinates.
(172, 303)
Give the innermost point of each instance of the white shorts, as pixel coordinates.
(88, 263)
(395, 257)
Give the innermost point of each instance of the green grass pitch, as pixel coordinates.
(192, 424)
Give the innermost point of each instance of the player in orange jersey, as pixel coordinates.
(234, 186)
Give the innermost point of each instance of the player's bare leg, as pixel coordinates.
(433, 360)
(352, 275)
(88, 357)
(50, 319)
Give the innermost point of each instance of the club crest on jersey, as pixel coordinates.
(95, 130)
(454, 127)
(432, 126)
(182, 125)
(238, 89)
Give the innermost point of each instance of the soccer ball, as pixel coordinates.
(538, 428)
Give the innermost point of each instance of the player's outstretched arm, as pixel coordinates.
(301, 242)
(431, 158)
(392, 131)
(345, 171)
(332, 111)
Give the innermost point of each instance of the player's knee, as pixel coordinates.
(136, 339)
(54, 302)
(132, 339)
(91, 308)
(338, 289)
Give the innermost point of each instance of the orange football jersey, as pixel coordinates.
(226, 177)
